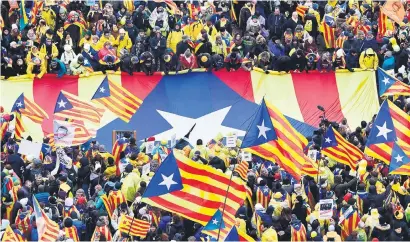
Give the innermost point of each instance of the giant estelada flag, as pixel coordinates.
(216, 101)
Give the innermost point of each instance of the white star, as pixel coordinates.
(214, 221)
(265, 190)
(61, 104)
(270, 167)
(328, 140)
(383, 130)
(399, 158)
(167, 180)
(262, 129)
(207, 126)
(19, 104)
(102, 89)
(386, 81)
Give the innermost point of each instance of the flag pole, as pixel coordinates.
(223, 208)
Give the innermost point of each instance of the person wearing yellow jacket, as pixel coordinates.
(130, 185)
(268, 234)
(202, 149)
(106, 37)
(123, 41)
(49, 16)
(32, 53)
(49, 50)
(111, 168)
(368, 60)
(174, 37)
(86, 39)
(195, 30)
(37, 67)
(219, 46)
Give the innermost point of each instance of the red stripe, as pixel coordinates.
(124, 95)
(34, 107)
(383, 153)
(139, 84)
(76, 115)
(324, 86)
(181, 209)
(46, 91)
(242, 86)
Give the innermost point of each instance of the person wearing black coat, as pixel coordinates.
(401, 59)
(397, 233)
(349, 43)
(16, 163)
(204, 46)
(340, 188)
(84, 175)
(275, 23)
(382, 230)
(183, 45)
(300, 210)
(352, 60)
(217, 163)
(377, 200)
(298, 61)
(292, 22)
(125, 63)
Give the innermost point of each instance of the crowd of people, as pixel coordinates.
(79, 37)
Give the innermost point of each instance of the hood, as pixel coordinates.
(84, 162)
(383, 227)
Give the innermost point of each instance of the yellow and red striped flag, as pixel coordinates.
(301, 10)
(298, 231)
(284, 145)
(19, 126)
(101, 234)
(329, 31)
(117, 99)
(242, 169)
(350, 223)
(29, 108)
(195, 191)
(340, 41)
(47, 229)
(119, 146)
(337, 148)
(133, 226)
(382, 26)
(71, 233)
(71, 133)
(392, 125)
(391, 86)
(9, 235)
(115, 198)
(3, 129)
(69, 106)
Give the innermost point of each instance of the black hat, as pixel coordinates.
(80, 60)
(124, 206)
(68, 222)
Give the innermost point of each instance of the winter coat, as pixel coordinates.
(132, 32)
(50, 17)
(244, 15)
(298, 63)
(381, 232)
(78, 69)
(38, 70)
(395, 236)
(275, 24)
(158, 50)
(84, 171)
(352, 61)
(104, 39)
(269, 235)
(60, 70)
(388, 63)
(17, 164)
(372, 43)
(123, 43)
(91, 57)
(182, 46)
(174, 37)
(290, 23)
(368, 62)
(348, 45)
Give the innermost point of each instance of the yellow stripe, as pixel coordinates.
(133, 102)
(122, 104)
(114, 108)
(135, 98)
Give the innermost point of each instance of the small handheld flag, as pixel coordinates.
(398, 158)
(216, 222)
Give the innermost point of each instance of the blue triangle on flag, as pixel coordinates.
(18, 104)
(233, 235)
(329, 139)
(383, 130)
(62, 103)
(261, 129)
(385, 81)
(166, 179)
(103, 90)
(398, 158)
(215, 222)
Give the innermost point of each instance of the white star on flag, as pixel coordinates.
(214, 221)
(328, 140)
(19, 104)
(262, 129)
(62, 104)
(102, 89)
(265, 190)
(399, 158)
(168, 181)
(383, 130)
(386, 81)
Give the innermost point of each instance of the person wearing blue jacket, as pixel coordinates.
(275, 47)
(389, 61)
(57, 67)
(92, 56)
(369, 42)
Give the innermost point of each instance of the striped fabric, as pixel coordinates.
(115, 199)
(9, 235)
(329, 35)
(117, 99)
(249, 196)
(68, 211)
(3, 129)
(133, 226)
(23, 224)
(383, 151)
(203, 192)
(155, 218)
(263, 196)
(382, 25)
(364, 28)
(30, 109)
(47, 229)
(343, 151)
(298, 232)
(69, 106)
(119, 146)
(19, 126)
(398, 88)
(71, 233)
(340, 41)
(301, 10)
(287, 150)
(349, 224)
(100, 232)
(242, 170)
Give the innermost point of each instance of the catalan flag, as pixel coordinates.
(301, 10)
(133, 226)
(273, 138)
(350, 223)
(47, 229)
(72, 233)
(340, 41)
(297, 231)
(71, 133)
(30, 109)
(249, 194)
(242, 170)
(398, 158)
(193, 10)
(117, 99)
(69, 106)
(119, 146)
(364, 28)
(352, 21)
(238, 235)
(382, 25)
(9, 235)
(3, 129)
(19, 126)
(337, 148)
(195, 191)
(391, 126)
(329, 31)
(101, 234)
(215, 222)
(263, 195)
(115, 198)
(390, 86)
(37, 5)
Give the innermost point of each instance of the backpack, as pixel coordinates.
(52, 212)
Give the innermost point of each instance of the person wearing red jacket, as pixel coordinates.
(188, 61)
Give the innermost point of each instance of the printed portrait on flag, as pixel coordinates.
(63, 133)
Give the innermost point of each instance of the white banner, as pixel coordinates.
(231, 141)
(146, 169)
(149, 147)
(27, 147)
(325, 208)
(63, 133)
